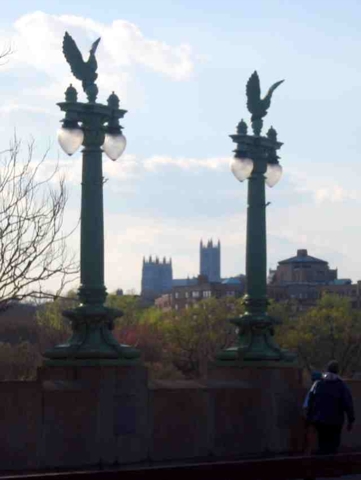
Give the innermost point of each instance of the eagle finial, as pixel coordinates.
(258, 107)
(84, 71)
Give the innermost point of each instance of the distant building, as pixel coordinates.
(303, 269)
(305, 278)
(157, 277)
(184, 296)
(184, 282)
(210, 261)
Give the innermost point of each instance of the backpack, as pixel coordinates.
(311, 400)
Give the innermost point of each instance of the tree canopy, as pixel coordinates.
(180, 344)
(330, 330)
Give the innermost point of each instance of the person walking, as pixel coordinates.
(329, 400)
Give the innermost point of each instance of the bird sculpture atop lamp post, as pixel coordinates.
(96, 127)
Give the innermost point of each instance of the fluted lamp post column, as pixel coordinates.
(96, 127)
(256, 160)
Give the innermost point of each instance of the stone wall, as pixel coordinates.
(84, 416)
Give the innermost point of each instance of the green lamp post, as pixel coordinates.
(256, 160)
(96, 127)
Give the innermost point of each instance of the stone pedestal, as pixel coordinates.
(93, 415)
(256, 407)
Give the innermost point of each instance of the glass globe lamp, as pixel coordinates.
(114, 145)
(241, 168)
(273, 174)
(70, 139)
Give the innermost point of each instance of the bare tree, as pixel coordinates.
(33, 246)
(5, 52)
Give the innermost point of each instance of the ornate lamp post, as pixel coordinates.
(96, 127)
(256, 160)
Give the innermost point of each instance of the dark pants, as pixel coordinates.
(329, 438)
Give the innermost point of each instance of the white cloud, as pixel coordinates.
(125, 168)
(120, 171)
(334, 193)
(157, 162)
(129, 167)
(322, 188)
(16, 107)
(37, 40)
(126, 44)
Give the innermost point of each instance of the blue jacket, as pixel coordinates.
(328, 401)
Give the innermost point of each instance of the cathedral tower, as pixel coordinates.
(210, 260)
(157, 277)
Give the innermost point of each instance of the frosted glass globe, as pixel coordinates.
(241, 168)
(114, 145)
(70, 139)
(273, 174)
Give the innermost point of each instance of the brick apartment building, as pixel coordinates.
(184, 296)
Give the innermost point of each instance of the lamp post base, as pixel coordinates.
(92, 341)
(255, 341)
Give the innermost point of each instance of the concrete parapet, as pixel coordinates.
(107, 415)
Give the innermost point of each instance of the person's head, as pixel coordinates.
(315, 375)
(332, 366)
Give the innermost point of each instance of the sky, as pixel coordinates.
(180, 70)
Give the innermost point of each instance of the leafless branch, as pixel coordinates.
(6, 51)
(33, 245)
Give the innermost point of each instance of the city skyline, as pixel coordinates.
(180, 70)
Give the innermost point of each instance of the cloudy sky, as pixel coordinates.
(180, 69)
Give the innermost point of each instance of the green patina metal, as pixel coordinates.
(256, 105)
(256, 328)
(92, 322)
(242, 128)
(83, 71)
